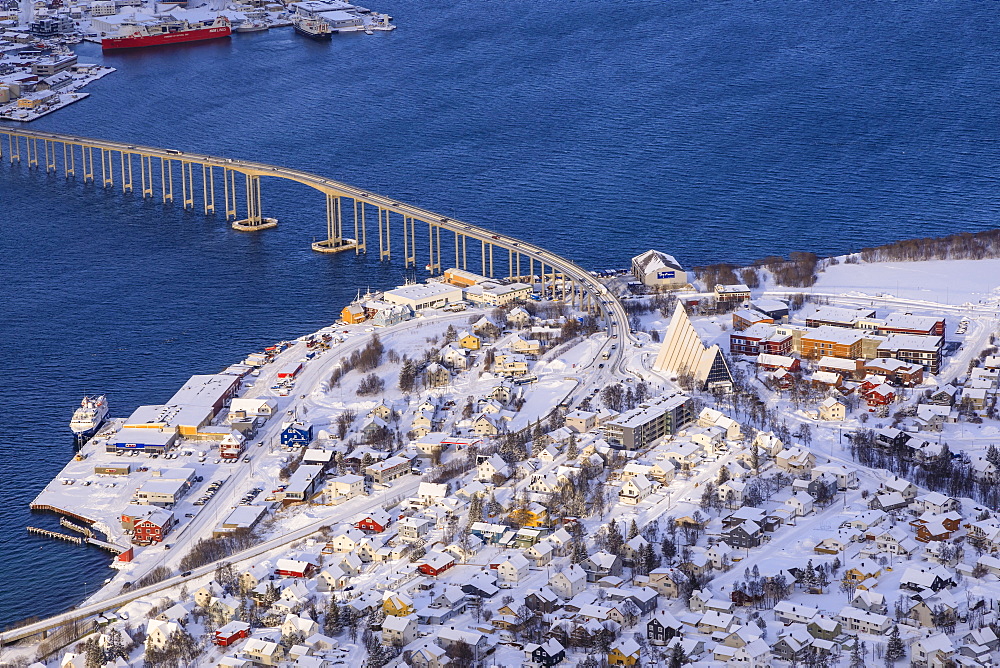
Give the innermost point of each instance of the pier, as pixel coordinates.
(76, 540)
(87, 533)
(404, 231)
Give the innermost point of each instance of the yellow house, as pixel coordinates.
(862, 572)
(535, 515)
(398, 605)
(470, 341)
(624, 653)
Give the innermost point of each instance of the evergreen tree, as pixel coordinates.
(894, 649)
(723, 475)
(114, 647)
(572, 451)
(754, 456)
(676, 658)
(332, 621)
(633, 530)
(476, 508)
(450, 334)
(993, 455)
(407, 375)
(93, 652)
(493, 508)
(858, 654)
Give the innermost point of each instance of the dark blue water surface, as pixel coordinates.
(714, 131)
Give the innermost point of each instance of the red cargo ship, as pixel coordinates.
(142, 33)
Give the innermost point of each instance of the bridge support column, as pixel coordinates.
(229, 179)
(384, 235)
(434, 236)
(146, 175)
(32, 145)
(254, 220)
(107, 167)
(50, 156)
(166, 180)
(335, 241)
(87, 153)
(208, 188)
(457, 265)
(126, 172)
(14, 149)
(482, 256)
(360, 235)
(187, 184)
(69, 157)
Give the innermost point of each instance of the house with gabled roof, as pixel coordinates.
(601, 564)
(635, 490)
(568, 582)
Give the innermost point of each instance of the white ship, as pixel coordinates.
(89, 417)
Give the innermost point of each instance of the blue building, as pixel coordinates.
(297, 434)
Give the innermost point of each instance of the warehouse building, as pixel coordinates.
(424, 295)
(639, 427)
(657, 269)
(147, 440)
(492, 293)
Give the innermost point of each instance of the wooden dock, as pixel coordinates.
(60, 511)
(87, 533)
(104, 545)
(55, 534)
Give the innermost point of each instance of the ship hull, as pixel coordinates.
(142, 41)
(83, 434)
(314, 35)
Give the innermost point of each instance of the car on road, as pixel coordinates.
(185, 574)
(601, 365)
(188, 514)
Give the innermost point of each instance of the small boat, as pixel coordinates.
(253, 26)
(89, 417)
(312, 27)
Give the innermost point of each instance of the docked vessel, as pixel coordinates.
(312, 27)
(252, 26)
(89, 417)
(171, 31)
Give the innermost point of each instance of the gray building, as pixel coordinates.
(639, 427)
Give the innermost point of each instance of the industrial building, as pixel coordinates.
(656, 269)
(419, 296)
(639, 427)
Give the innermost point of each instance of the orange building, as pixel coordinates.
(352, 314)
(827, 341)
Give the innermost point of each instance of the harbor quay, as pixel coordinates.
(39, 72)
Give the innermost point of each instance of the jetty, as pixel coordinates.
(72, 526)
(77, 540)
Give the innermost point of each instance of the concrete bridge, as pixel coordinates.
(161, 170)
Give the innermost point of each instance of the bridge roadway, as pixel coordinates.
(612, 309)
(599, 297)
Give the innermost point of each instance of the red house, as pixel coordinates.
(883, 395)
(436, 563)
(294, 568)
(375, 522)
(154, 528)
(231, 633)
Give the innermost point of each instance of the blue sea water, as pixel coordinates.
(714, 131)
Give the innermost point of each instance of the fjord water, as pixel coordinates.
(714, 131)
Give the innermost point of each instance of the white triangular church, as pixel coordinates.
(683, 353)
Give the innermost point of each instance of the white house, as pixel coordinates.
(635, 490)
(568, 582)
(514, 569)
